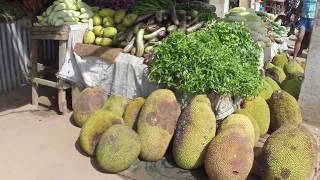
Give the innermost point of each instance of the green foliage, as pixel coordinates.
(142, 7)
(221, 57)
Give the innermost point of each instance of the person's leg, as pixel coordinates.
(299, 37)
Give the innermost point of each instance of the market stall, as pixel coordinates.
(170, 87)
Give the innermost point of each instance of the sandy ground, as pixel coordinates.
(40, 144)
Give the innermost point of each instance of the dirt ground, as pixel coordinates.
(40, 144)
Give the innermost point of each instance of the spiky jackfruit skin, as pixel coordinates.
(116, 104)
(90, 99)
(93, 128)
(276, 74)
(270, 65)
(292, 86)
(293, 67)
(118, 148)
(253, 121)
(229, 156)
(266, 90)
(239, 121)
(196, 128)
(274, 85)
(156, 124)
(289, 153)
(280, 60)
(284, 110)
(132, 111)
(260, 111)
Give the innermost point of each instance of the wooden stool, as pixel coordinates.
(60, 34)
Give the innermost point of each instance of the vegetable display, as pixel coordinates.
(142, 7)
(115, 4)
(65, 12)
(276, 30)
(221, 57)
(108, 26)
(252, 21)
(156, 27)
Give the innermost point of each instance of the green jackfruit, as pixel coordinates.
(259, 110)
(239, 121)
(93, 128)
(270, 65)
(196, 128)
(229, 155)
(293, 67)
(276, 74)
(293, 86)
(272, 83)
(284, 110)
(280, 60)
(156, 123)
(116, 104)
(266, 90)
(90, 99)
(253, 121)
(132, 111)
(289, 153)
(118, 148)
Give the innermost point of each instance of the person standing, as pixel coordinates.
(306, 23)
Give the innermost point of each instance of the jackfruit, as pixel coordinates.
(132, 111)
(196, 128)
(118, 148)
(253, 121)
(293, 86)
(266, 90)
(276, 74)
(289, 153)
(229, 155)
(239, 121)
(280, 60)
(284, 110)
(293, 67)
(259, 110)
(93, 128)
(90, 99)
(272, 83)
(270, 65)
(116, 104)
(156, 123)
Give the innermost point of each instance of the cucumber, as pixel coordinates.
(140, 43)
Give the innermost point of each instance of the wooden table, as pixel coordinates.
(60, 34)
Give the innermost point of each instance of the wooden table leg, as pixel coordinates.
(34, 71)
(62, 101)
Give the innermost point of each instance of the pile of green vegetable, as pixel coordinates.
(150, 30)
(221, 57)
(108, 24)
(277, 31)
(65, 12)
(253, 22)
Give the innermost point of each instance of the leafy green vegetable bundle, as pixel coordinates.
(221, 57)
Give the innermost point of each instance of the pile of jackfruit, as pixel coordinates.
(117, 131)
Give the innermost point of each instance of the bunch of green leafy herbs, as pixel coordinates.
(222, 58)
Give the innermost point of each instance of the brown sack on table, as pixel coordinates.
(106, 53)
